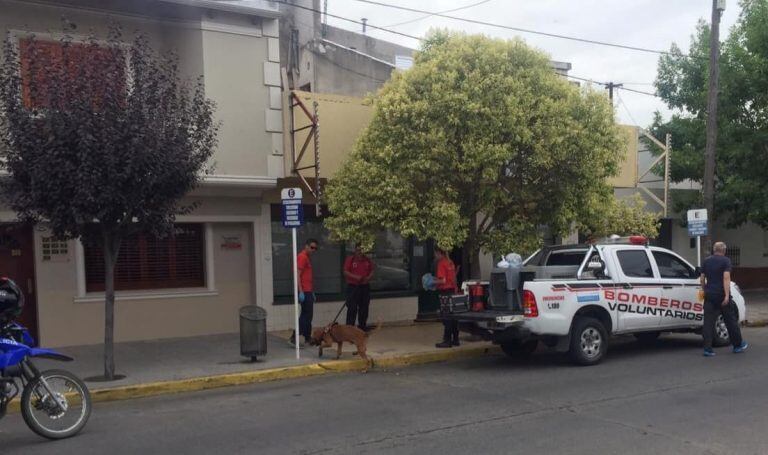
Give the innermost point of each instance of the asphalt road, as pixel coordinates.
(664, 399)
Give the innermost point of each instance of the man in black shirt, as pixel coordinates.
(716, 283)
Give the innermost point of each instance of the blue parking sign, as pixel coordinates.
(293, 212)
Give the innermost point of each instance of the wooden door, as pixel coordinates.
(17, 262)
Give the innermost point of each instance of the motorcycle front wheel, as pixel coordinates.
(56, 404)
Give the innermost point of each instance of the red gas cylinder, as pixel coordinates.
(476, 297)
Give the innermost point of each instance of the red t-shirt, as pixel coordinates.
(361, 266)
(305, 272)
(446, 271)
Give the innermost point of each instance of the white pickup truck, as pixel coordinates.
(573, 297)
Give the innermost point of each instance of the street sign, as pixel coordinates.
(697, 222)
(697, 215)
(291, 194)
(697, 228)
(293, 212)
(293, 215)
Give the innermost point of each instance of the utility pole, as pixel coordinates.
(610, 86)
(325, 18)
(718, 6)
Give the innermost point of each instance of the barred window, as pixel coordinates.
(176, 260)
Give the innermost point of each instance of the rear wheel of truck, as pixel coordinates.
(517, 348)
(589, 341)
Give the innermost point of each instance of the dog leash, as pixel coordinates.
(344, 305)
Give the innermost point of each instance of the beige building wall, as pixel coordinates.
(68, 315)
(342, 120)
(238, 57)
(241, 74)
(627, 177)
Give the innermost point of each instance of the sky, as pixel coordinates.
(654, 24)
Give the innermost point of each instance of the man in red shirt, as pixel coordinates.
(306, 290)
(445, 282)
(358, 270)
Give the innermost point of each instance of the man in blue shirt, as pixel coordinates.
(716, 283)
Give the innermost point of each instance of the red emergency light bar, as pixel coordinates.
(631, 240)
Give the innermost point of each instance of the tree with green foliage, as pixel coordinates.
(741, 190)
(478, 145)
(621, 217)
(100, 140)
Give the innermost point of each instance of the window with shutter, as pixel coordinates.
(95, 71)
(176, 260)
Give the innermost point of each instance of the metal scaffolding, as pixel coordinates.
(312, 129)
(666, 147)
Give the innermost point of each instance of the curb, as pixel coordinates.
(275, 374)
(756, 323)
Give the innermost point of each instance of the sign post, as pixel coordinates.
(697, 226)
(293, 217)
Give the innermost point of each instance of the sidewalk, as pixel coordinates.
(186, 364)
(757, 307)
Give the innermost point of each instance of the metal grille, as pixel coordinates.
(498, 290)
(734, 254)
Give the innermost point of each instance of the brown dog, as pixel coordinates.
(339, 334)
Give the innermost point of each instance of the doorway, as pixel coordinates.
(17, 262)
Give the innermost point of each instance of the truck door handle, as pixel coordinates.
(667, 287)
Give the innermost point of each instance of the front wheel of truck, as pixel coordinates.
(589, 341)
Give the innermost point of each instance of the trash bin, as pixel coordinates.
(253, 331)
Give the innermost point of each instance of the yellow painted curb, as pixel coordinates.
(197, 384)
(275, 374)
(340, 366)
(432, 357)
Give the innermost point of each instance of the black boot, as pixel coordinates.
(444, 344)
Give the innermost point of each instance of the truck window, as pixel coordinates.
(635, 263)
(672, 267)
(566, 257)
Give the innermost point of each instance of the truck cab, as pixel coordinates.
(621, 286)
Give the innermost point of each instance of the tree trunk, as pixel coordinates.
(111, 249)
(471, 252)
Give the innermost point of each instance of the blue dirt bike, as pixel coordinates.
(55, 403)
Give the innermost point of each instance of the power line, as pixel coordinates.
(585, 79)
(626, 109)
(517, 29)
(641, 92)
(606, 84)
(439, 12)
